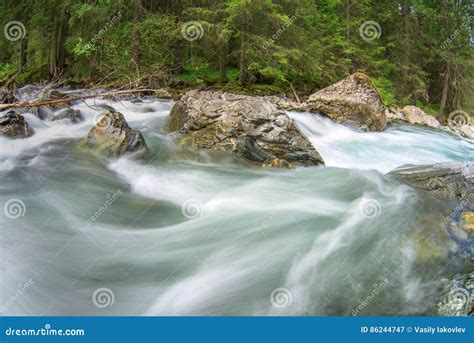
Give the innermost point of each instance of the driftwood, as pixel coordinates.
(59, 101)
(295, 94)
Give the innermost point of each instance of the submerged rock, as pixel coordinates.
(450, 180)
(251, 127)
(33, 93)
(416, 115)
(458, 299)
(466, 131)
(14, 125)
(113, 136)
(354, 101)
(395, 113)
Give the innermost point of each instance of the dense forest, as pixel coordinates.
(416, 51)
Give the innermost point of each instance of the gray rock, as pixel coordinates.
(416, 115)
(353, 101)
(458, 300)
(113, 136)
(395, 113)
(466, 131)
(33, 93)
(450, 180)
(251, 127)
(14, 125)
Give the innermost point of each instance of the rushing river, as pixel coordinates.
(190, 236)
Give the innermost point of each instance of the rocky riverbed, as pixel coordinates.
(219, 203)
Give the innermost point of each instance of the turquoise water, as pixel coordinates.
(218, 236)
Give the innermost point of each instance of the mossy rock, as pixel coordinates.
(113, 136)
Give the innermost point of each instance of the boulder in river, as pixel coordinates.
(449, 180)
(352, 101)
(14, 125)
(113, 136)
(416, 115)
(251, 127)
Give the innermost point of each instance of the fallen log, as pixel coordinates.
(59, 101)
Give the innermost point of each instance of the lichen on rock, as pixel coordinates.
(113, 136)
(251, 127)
(14, 125)
(353, 101)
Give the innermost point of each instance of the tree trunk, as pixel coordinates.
(137, 17)
(444, 94)
(177, 62)
(53, 52)
(242, 59)
(406, 47)
(23, 57)
(223, 64)
(57, 57)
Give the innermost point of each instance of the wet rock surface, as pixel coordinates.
(416, 115)
(251, 127)
(14, 125)
(59, 111)
(458, 299)
(352, 101)
(113, 136)
(449, 181)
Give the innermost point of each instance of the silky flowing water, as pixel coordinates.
(200, 235)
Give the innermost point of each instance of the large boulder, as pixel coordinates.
(14, 125)
(251, 127)
(113, 136)
(449, 180)
(416, 115)
(353, 101)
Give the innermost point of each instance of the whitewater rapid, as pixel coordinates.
(194, 237)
